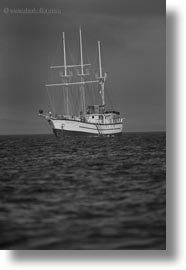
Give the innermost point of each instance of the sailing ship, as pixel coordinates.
(92, 119)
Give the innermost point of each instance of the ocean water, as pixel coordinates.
(77, 193)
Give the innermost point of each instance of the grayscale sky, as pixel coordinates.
(133, 34)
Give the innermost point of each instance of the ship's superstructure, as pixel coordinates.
(92, 120)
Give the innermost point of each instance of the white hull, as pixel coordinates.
(83, 128)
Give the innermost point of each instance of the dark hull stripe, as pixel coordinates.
(100, 129)
(87, 122)
(60, 133)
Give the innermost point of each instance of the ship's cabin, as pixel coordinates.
(97, 114)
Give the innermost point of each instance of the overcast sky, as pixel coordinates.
(132, 33)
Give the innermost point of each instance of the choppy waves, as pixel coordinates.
(98, 193)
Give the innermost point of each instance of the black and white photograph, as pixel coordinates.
(83, 125)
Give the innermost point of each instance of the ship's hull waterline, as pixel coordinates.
(79, 128)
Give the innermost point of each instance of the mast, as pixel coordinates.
(64, 54)
(82, 88)
(65, 76)
(102, 79)
(81, 51)
(100, 66)
(66, 82)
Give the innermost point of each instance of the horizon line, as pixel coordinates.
(32, 134)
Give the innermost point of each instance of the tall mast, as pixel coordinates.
(82, 75)
(82, 88)
(81, 50)
(64, 53)
(102, 79)
(66, 76)
(100, 67)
